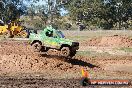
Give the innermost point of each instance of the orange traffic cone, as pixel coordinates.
(84, 73)
(85, 81)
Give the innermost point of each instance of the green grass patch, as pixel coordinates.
(93, 54)
(84, 53)
(126, 49)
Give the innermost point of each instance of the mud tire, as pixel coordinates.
(36, 47)
(73, 53)
(65, 51)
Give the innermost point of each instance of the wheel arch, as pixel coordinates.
(34, 41)
(65, 45)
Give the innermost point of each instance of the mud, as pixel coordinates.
(18, 60)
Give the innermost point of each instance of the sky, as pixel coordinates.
(63, 12)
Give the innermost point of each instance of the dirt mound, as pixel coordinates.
(18, 58)
(109, 41)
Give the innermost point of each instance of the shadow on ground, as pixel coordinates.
(70, 60)
(80, 63)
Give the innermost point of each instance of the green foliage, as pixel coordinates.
(11, 9)
(106, 14)
(49, 13)
(99, 13)
(126, 49)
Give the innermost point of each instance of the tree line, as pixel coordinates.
(102, 13)
(106, 14)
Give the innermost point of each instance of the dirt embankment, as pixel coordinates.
(17, 58)
(109, 41)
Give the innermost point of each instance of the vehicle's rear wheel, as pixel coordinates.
(65, 51)
(36, 47)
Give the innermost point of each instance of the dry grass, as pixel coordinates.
(97, 33)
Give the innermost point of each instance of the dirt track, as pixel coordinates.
(18, 60)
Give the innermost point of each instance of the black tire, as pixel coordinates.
(65, 51)
(36, 47)
(73, 53)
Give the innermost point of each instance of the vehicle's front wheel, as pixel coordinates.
(36, 47)
(65, 51)
(73, 52)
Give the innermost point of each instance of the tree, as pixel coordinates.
(49, 12)
(11, 9)
(101, 13)
(84, 11)
(117, 12)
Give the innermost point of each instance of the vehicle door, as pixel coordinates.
(51, 40)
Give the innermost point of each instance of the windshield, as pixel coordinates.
(60, 34)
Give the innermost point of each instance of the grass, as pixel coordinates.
(84, 53)
(126, 49)
(85, 35)
(78, 38)
(92, 53)
(98, 33)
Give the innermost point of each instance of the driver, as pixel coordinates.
(49, 33)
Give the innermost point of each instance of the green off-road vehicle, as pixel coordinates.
(51, 38)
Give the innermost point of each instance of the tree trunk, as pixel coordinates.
(119, 25)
